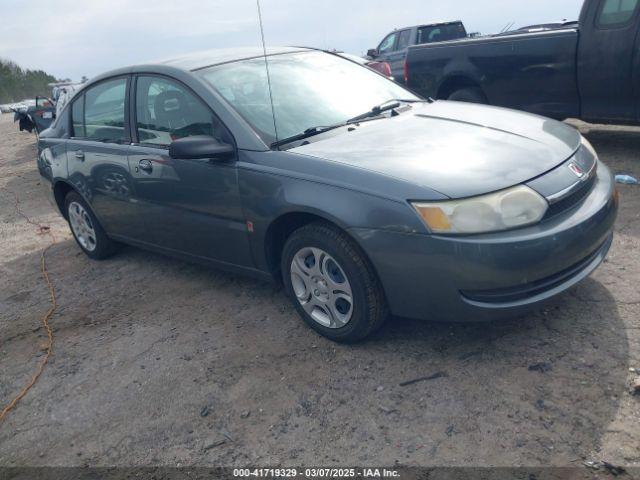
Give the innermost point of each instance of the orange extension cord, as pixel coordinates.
(42, 230)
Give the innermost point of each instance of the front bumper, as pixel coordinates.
(484, 277)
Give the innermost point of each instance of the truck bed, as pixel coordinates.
(535, 72)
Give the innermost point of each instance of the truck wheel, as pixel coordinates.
(470, 94)
(87, 231)
(332, 284)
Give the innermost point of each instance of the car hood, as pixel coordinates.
(458, 149)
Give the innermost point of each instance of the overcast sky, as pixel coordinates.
(71, 38)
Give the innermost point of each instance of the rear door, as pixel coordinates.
(189, 206)
(607, 53)
(97, 155)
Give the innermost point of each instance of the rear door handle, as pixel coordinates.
(80, 155)
(145, 165)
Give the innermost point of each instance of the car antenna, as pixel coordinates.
(507, 27)
(266, 65)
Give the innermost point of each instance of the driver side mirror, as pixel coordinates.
(200, 147)
(372, 52)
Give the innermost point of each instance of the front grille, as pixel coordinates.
(531, 289)
(571, 201)
(562, 188)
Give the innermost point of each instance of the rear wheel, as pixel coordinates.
(86, 229)
(332, 284)
(469, 94)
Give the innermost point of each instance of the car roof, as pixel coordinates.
(435, 24)
(196, 61)
(207, 58)
(431, 24)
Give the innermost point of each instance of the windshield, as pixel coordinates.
(310, 89)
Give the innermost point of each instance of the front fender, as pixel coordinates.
(267, 196)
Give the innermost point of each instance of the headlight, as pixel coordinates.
(514, 207)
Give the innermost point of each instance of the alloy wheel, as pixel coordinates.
(322, 287)
(82, 226)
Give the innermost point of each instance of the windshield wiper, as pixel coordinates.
(374, 112)
(390, 104)
(309, 132)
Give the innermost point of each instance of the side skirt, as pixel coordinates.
(217, 264)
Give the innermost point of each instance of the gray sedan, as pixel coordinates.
(363, 199)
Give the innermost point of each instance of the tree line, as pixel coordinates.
(17, 83)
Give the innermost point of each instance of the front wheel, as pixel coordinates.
(332, 284)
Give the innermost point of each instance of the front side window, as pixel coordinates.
(309, 89)
(166, 111)
(388, 43)
(99, 113)
(616, 12)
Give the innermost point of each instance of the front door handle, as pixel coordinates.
(145, 165)
(80, 155)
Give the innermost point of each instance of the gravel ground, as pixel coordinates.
(159, 362)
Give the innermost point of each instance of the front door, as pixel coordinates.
(189, 206)
(607, 51)
(387, 47)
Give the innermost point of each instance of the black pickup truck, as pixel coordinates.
(590, 70)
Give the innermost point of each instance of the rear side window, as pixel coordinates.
(403, 39)
(616, 12)
(99, 113)
(167, 110)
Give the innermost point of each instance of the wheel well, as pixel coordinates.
(279, 231)
(283, 226)
(60, 191)
(454, 83)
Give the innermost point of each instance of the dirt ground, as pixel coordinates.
(159, 362)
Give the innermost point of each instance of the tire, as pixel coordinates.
(469, 94)
(344, 273)
(89, 236)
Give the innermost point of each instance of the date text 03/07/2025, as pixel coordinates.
(316, 472)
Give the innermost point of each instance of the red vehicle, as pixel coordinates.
(382, 67)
